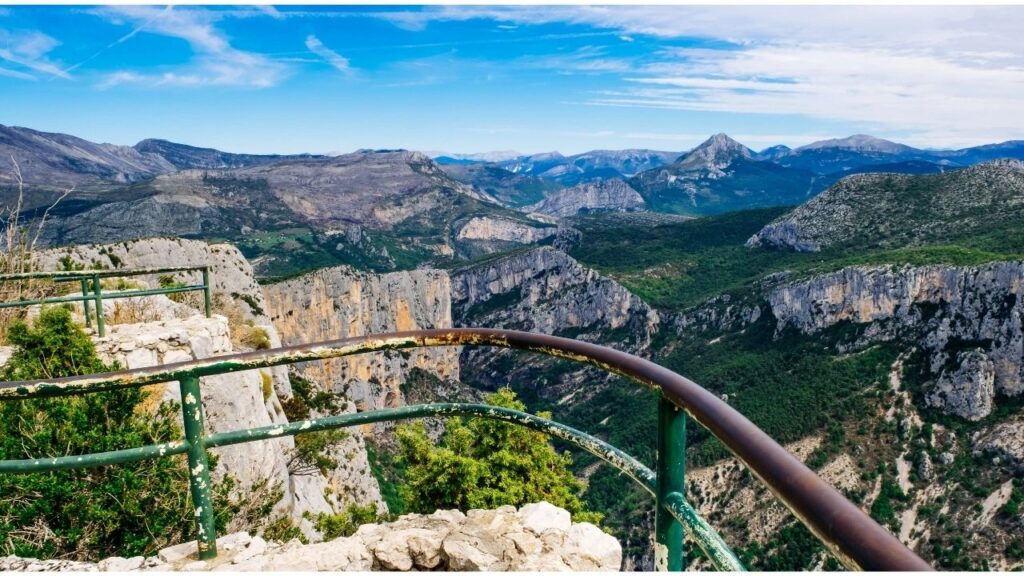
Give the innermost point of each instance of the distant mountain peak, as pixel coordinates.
(858, 142)
(715, 153)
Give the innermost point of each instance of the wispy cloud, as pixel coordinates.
(28, 52)
(216, 62)
(937, 73)
(330, 56)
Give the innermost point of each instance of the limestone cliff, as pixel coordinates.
(340, 302)
(544, 290)
(969, 320)
(501, 229)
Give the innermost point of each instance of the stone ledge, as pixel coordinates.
(536, 537)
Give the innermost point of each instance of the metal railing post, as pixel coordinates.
(206, 291)
(101, 328)
(85, 303)
(668, 532)
(198, 467)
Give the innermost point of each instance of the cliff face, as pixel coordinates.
(340, 302)
(487, 228)
(602, 195)
(544, 290)
(968, 320)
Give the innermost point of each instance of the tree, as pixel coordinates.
(125, 509)
(484, 463)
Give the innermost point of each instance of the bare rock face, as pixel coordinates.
(340, 302)
(230, 401)
(447, 540)
(1005, 440)
(544, 290)
(941, 308)
(968, 390)
(488, 228)
(601, 195)
(231, 275)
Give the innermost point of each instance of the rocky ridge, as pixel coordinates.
(604, 195)
(892, 210)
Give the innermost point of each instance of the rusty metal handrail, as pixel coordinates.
(850, 534)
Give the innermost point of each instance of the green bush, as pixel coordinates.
(123, 510)
(345, 524)
(483, 463)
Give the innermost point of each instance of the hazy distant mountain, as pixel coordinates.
(570, 170)
(445, 158)
(511, 188)
(51, 161)
(721, 175)
(773, 152)
(184, 157)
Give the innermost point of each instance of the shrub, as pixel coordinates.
(345, 524)
(482, 463)
(123, 510)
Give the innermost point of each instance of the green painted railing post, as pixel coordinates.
(207, 301)
(198, 466)
(85, 303)
(101, 328)
(668, 532)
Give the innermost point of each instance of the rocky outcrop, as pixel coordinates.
(943, 310)
(968, 389)
(537, 537)
(231, 276)
(502, 229)
(340, 302)
(601, 195)
(1005, 441)
(897, 209)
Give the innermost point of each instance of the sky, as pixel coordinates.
(321, 79)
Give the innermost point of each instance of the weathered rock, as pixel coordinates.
(543, 516)
(968, 390)
(924, 466)
(1005, 440)
(445, 540)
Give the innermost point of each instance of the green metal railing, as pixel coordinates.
(855, 539)
(92, 291)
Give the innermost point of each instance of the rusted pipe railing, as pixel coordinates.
(850, 534)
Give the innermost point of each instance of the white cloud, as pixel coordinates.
(941, 75)
(29, 52)
(932, 98)
(330, 56)
(216, 62)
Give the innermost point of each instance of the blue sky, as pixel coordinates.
(531, 78)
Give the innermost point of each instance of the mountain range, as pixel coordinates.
(389, 209)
